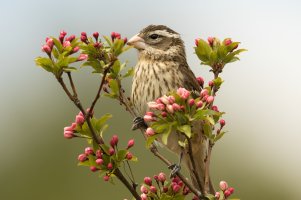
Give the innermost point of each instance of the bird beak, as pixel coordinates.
(137, 42)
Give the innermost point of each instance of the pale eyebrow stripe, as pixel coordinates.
(165, 33)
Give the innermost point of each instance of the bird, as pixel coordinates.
(161, 68)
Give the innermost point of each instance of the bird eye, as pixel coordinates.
(154, 36)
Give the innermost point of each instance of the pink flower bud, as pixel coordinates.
(231, 190)
(98, 153)
(110, 166)
(222, 122)
(83, 38)
(147, 181)
(143, 196)
(83, 33)
(175, 180)
(63, 33)
(66, 44)
(114, 141)
(228, 41)
(95, 35)
(68, 134)
(156, 177)
(200, 81)
(152, 105)
(165, 189)
(164, 114)
(150, 114)
(211, 83)
(99, 161)
(46, 49)
(93, 168)
(199, 104)
(148, 118)
(143, 189)
(161, 107)
(169, 109)
(223, 185)
(71, 38)
(89, 151)
(195, 198)
(82, 157)
(129, 156)
(204, 92)
(82, 57)
(176, 188)
(106, 178)
(113, 35)
(217, 195)
(196, 41)
(130, 143)
(111, 151)
(125, 40)
(162, 177)
(50, 42)
(210, 99)
(117, 35)
(183, 93)
(176, 106)
(149, 132)
(171, 99)
(227, 193)
(191, 102)
(210, 41)
(79, 119)
(215, 108)
(164, 100)
(153, 189)
(186, 190)
(75, 49)
(61, 38)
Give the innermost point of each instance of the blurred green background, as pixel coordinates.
(259, 156)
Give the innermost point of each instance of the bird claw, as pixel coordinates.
(175, 168)
(138, 123)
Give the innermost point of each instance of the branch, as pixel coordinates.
(201, 186)
(100, 87)
(120, 176)
(207, 167)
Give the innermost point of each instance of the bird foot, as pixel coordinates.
(175, 168)
(138, 122)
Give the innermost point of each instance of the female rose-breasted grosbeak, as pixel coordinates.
(161, 68)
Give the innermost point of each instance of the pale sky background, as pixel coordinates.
(260, 157)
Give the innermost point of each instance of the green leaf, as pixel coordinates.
(150, 140)
(45, 63)
(222, 52)
(101, 121)
(105, 148)
(114, 86)
(116, 68)
(186, 129)
(203, 50)
(55, 53)
(58, 44)
(166, 135)
(130, 72)
(219, 136)
(72, 59)
(108, 40)
(218, 82)
(201, 114)
(121, 155)
(207, 130)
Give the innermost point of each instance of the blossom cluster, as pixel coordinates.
(161, 187)
(225, 192)
(106, 159)
(213, 42)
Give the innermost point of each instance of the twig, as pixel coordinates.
(207, 167)
(100, 86)
(201, 186)
(120, 176)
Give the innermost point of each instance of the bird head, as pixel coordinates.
(156, 41)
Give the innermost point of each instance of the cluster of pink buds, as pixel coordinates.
(70, 130)
(115, 35)
(227, 191)
(149, 189)
(65, 41)
(206, 97)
